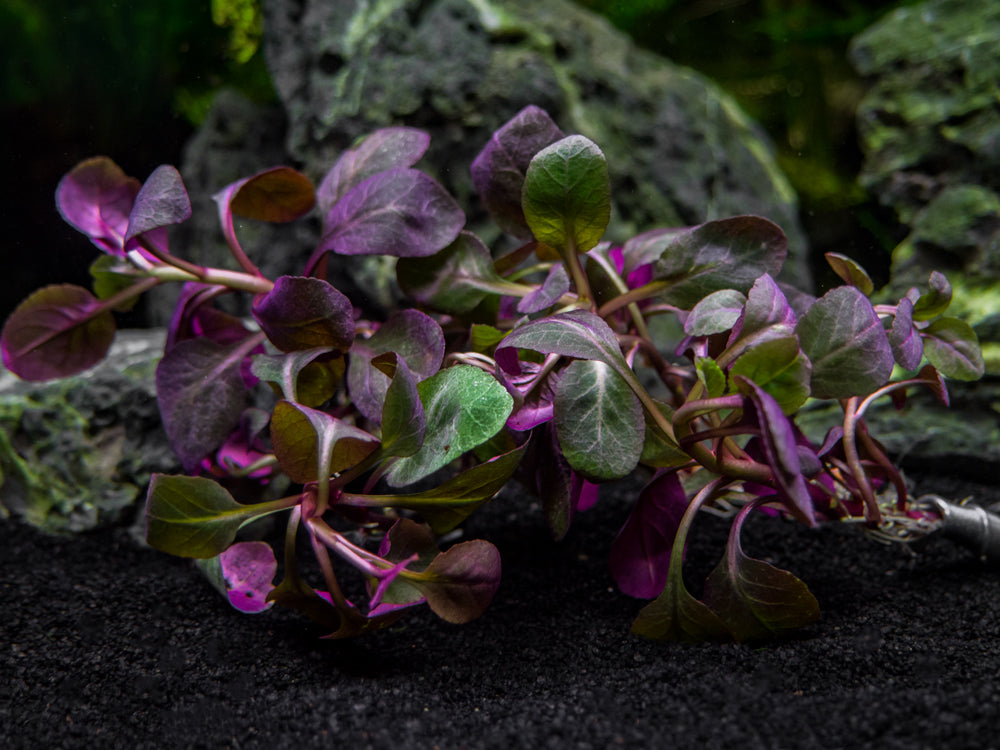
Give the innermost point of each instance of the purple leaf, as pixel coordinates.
(400, 212)
(162, 201)
(766, 308)
(57, 331)
(640, 554)
(904, 338)
(201, 393)
(781, 450)
(184, 322)
(725, 254)
(412, 335)
(311, 445)
(532, 399)
(846, 343)
(556, 284)
(643, 250)
(305, 313)
(498, 171)
(246, 572)
(388, 148)
(96, 197)
(460, 583)
(754, 599)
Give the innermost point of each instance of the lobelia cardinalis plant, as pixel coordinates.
(541, 366)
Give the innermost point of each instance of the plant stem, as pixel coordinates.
(576, 272)
(851, 419)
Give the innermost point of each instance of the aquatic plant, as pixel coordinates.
(548, 366)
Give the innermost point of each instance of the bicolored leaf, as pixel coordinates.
(195, 516)
(304, 313)
(640, 554)
(724, 254)
(162, 201)
(311, 445)
(447, 505)
(201, 394)
(57, 331)
(387, 148)
(846, 343)
(498, 171)
(308, 377)
(96, 197)
(567, 195)
(244, 574)
(464, 408)
(755, 599)
(598, 420)
(399, 212)
(454, 280)
(953, 348)
(848, 270)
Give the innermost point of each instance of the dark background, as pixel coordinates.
(133, 79)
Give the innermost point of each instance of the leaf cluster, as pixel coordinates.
(546, 366)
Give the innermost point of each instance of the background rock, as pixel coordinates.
(930, 128)
(680, 150)
(77, 453)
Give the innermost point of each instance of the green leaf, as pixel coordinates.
(711, 376)
(484, 338)
(404, 425)
(780, 368)
(447, 505)
(308, 377)
(846, 343)
(675, 615)
(455, 280)
(755, 599)
(464, 408)
(853, 274)
(952, 347)
(195, 517)
(598, 420)
(567, 195)
(112, 274)
(659, 450)
(936, 300)
(716, 313)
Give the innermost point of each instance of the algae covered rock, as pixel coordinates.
(930, 128)
(680, 150)
(77, 453)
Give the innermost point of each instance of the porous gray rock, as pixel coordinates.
(930, 132)
(77, 453)
(680, 150)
